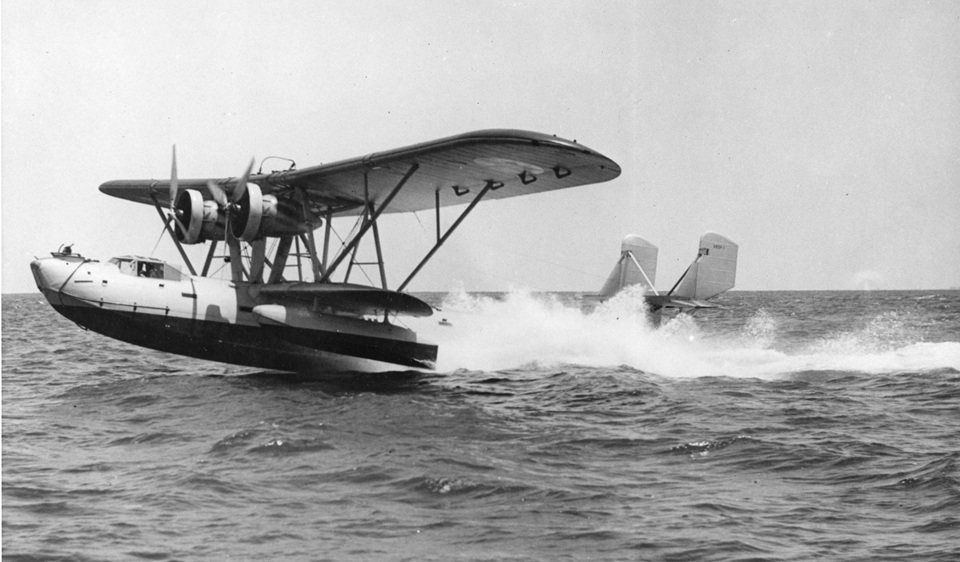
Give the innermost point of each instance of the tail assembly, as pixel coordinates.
(712, 272)
(637, 265)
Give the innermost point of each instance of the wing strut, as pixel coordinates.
(166, 225)
(299, 259)
(311, 243)
(258, 255)
(360, 264)
(206, 264)
(326, 240)
(441, 239)
(368, 211)
(346, 251)
(236, 257)
(280, 260)
(383, 271)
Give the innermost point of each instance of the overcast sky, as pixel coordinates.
(823, 137)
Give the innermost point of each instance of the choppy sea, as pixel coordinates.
(785, 426)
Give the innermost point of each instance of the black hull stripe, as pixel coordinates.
(239, 344)
(410, 354)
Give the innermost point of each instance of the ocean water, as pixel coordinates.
(786, 426)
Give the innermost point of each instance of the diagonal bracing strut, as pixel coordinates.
(441, 239)
(368, 223)
(166, 224)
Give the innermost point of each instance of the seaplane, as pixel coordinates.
(712, 272)
(282, 309)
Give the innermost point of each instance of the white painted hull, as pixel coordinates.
(214, 320)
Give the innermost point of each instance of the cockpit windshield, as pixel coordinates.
(125, 265)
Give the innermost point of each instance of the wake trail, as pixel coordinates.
(522, 330)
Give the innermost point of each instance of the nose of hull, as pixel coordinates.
(41, 274)
(36, 267)
(51, 274)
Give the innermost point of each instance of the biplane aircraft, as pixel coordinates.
(264, 315)
(713, 271)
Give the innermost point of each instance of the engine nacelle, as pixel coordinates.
(251, 212)
(252, 217)
(197, 217)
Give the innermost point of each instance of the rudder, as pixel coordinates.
(637, 265)
(714, 271)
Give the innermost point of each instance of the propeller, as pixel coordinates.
(174, 188)
(174, 182)
(230, 205)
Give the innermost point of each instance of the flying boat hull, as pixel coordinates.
(222, 321)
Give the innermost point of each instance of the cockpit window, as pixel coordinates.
(146, 269)
(170, 272)
(125, 265)
(151, 270)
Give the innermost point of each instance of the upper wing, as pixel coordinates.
(513, 162)
(524, 162)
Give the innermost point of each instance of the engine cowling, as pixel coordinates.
(251, 212)
(198, 217)
(253, 216)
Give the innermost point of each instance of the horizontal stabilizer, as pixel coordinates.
(637, 266)
(712, 272)
(659, 302)
(344, 297)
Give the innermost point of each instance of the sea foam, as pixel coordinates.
(522, 329)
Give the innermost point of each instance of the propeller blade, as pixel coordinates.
(242, 183)
(162, 232)
(174, 182)
(179, 224)
(217, 192)
(220, 196)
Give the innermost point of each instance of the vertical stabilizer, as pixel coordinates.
(637, 265)
(712, 272)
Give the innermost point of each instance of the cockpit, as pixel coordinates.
(146, 267)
